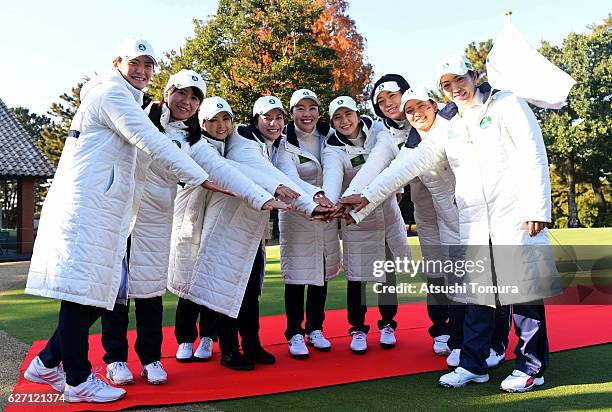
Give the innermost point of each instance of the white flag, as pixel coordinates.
(514, 65)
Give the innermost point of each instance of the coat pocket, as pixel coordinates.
(113, 181)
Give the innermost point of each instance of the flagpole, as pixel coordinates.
(509, 16)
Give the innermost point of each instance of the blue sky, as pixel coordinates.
(47, 46)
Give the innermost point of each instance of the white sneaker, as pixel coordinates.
(154, 373)
(440, 346)
(453, 359)
(519, 381)
(118, 373)
(297, 347)
(184, 353)
(204, 350)
(387, 337)
(93, 389)
(359, 343)
(318, 341)
(495, 359)
(39, 373)
(461, 377)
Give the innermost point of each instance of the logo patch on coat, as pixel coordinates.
(176, 142)
(486, 122)
(303, 159)
(357, 160)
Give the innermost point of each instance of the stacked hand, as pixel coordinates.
(208, 185)
(275, 204)
(322, 200)
(324, 213)
(356, 202)
(285, 192)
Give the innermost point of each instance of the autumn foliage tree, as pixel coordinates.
(477, 54)
(251, 48)
(334, 28)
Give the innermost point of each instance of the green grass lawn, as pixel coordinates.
(578, 379)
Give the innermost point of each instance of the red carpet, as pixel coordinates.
(413, 354)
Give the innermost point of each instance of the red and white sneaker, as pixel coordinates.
(519, 381)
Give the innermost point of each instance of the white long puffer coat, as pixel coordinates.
(86, 216)
(436, 216)
(190, 208)
(233, 231)
(309, 251)
(502, 182)
(364, 243)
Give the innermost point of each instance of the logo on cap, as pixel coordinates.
(382, 86)
(272, 101)
(142, 47)
(220, 105)
(305, 93)
(340, 101)
(445, 66)
(468, 65)
(194, 78)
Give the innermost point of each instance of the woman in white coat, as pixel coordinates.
(86, 216)
(386, 101)
(309, 250)
(380, 237)
(494, 145)
(228, 273)
(439, 189)
(215, 117)
(146, 262)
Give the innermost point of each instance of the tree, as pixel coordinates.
(32, 122)
(578, 135)
(54, 134)
(334, 28)
(252, 48)
(476, 54)
(34, 125)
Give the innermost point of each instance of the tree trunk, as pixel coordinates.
(601, 202)
(572, 210)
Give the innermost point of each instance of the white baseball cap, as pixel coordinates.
(456, 64)
(266, 103)
(342, 101)
(186, 78)
(303, 94)
(132, 47)
(386, 87)
(415, 93)
(212, 106)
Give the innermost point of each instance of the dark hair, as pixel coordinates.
(403, 85)
(253, 121)
(194, 130)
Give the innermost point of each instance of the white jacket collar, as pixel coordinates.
(138, 94)
(167, 122)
